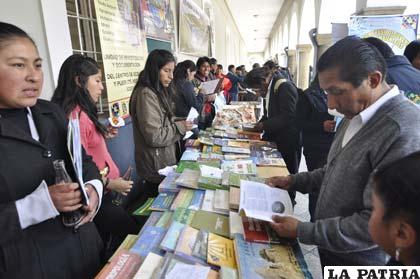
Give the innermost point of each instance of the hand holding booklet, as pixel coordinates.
(260, 201)
(192, 116)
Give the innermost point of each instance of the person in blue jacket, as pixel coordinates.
(400, 70)
(235, 80)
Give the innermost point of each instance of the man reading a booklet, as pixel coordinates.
(380, 126)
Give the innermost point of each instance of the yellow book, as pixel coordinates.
(266, 172)
(220, 251)
(236, 143)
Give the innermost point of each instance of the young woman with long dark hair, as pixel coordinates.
(186, 95)
(154, 127)
(79, 89)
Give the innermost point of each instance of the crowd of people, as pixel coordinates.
(359, 133)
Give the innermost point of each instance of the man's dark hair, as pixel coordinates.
(256, 77)
(239, 68)
(213, 61)
(412, 50)
(383, 47)
(354, 59)
(270, 64)
(201, 61)
(231, 67)
(220, 66)
(256, 65)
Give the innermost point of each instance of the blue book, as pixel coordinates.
(152, 220)
(171, 237)
(256, 260)
(197, 200)
(163, 202)
(149, 241)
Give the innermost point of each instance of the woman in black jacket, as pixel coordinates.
(317, 128)
(186, 97)
(34, 243)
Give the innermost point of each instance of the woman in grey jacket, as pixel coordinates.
(154, 128)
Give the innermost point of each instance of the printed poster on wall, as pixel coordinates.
(193, 29)
(158, 19)
(124, 50)
(397, 31)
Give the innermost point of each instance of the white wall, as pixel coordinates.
(27, 14)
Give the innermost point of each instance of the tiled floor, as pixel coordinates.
(310, 252)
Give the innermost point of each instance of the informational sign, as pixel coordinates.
(193, 29)
(397, 31)
(124, 50)
(158, 19)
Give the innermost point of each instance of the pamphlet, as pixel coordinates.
(260, 201)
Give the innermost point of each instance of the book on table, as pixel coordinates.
(220, 251)
(259, 261)
(262, 202)
(149, 267)
(211, 222)
(123, 266)
(188, 179)
(163, 202)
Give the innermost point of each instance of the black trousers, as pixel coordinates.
(314, 160)
(292, 160)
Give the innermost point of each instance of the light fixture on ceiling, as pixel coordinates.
(255, 30)
(255, 16)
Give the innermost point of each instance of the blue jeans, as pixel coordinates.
(233, 96)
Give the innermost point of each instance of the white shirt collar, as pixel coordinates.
(370, 111)
(32, 126)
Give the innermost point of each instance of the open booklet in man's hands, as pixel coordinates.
(260, 201)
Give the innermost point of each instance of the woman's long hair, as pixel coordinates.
(181, 70)
(150, 77)
(69, 94)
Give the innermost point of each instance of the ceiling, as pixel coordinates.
(255, 19)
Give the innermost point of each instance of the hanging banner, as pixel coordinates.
(193, 29)
(397, 31)
(124, 50)
(158, 19)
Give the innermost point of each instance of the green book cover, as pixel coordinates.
(211, 184)
(183, 215)
(144, 210)
(187, 165)
(164, 220)
(234, 179)
(211, 222)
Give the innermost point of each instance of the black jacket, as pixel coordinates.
(404, 75)
(185, 99)
(47, 249)
(280, 125)
(312, 111)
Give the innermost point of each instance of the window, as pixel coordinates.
(85, 38)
